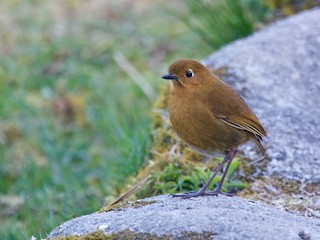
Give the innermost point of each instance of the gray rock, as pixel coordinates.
(224, 217)
(277, 70)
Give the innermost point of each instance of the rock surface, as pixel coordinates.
(223, 217)
(277, 70)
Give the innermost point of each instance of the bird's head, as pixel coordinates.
(186, 72)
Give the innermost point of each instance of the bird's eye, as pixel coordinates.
(189, 74)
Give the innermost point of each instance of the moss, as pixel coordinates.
(128, 204)
(283, 8)
(98, 235)
(196, 236)
(131, 235)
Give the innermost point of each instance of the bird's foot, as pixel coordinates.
(189, 194)
(201, 193)
(217, 192)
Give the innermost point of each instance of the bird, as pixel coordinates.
(210, 117)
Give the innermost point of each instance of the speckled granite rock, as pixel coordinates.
(223, 217)
(277, 70)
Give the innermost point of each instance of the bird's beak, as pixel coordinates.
(169, 77)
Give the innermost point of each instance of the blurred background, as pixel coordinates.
(78, 80)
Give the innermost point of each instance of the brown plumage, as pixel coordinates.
(209, 115)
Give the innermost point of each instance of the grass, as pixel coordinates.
(73, 125)
(181, 177)
(222, 21)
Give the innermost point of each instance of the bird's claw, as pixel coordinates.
(188, 194)
(200, 193)
(218, 192)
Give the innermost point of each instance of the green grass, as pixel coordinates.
(73, 125)
(221, 21)
(181, 177)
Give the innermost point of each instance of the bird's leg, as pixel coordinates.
(228, 158)
(218, 191)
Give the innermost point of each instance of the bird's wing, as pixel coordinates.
(248, 123)
(231, 109)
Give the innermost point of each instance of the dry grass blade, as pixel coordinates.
(312, 212)
(133, 73)
(130, 191)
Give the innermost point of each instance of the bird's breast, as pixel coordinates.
(198, 127)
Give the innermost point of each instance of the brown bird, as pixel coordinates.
(209, 116)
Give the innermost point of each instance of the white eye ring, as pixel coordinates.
(189, 73)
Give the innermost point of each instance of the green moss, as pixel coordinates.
(130, 235)
(128, 204)
(197, 236)
(184, 176)
(98, 235)
(282, 8)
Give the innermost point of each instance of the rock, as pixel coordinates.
(219, 217)
(277, 70)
